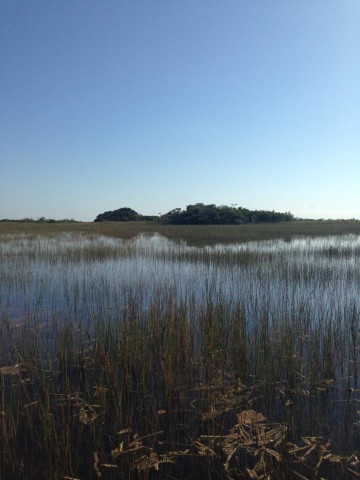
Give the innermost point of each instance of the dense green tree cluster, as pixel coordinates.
(199, 214)
(124, 214)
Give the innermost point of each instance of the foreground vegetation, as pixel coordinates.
(154, 359)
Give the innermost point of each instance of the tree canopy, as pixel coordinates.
(124, 214)
(200, 214)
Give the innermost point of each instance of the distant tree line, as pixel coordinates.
(200, 214)
(39, 220)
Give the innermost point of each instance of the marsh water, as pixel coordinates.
(298, 303)
(75, 275)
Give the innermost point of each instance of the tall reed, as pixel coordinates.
(154, 359)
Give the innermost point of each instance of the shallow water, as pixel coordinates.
(308, 288)
(74, 274)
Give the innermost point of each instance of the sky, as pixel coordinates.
(159, 104)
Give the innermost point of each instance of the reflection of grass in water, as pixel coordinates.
(180, 390)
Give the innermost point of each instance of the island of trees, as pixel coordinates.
(125, 214)
(200, 214)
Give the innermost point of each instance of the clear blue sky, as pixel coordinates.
(158, 104)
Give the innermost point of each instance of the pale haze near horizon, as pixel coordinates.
(157, 105)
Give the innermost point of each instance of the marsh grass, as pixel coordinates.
(157, 359)
(194, 234)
